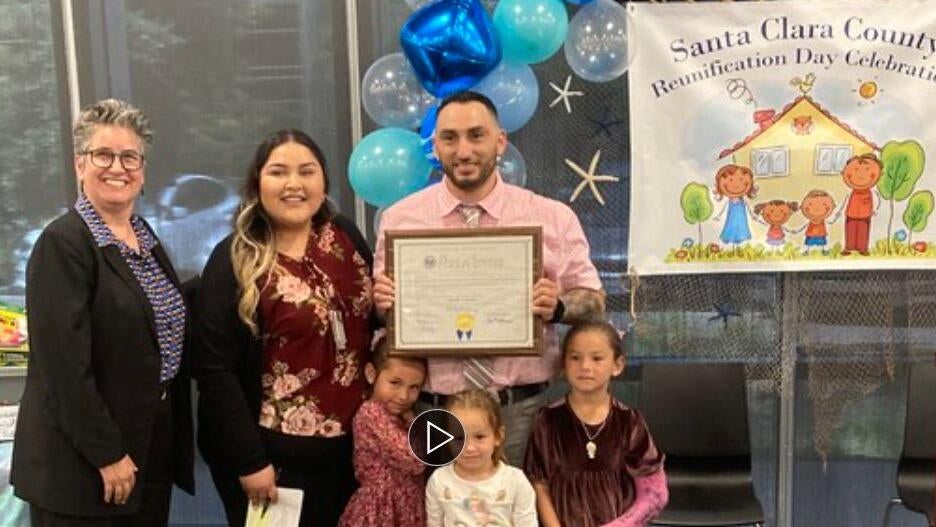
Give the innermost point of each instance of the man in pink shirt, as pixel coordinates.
(468, 141)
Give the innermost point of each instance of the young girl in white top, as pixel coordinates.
(479, 489)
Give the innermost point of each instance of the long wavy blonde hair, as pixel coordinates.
(253, 249)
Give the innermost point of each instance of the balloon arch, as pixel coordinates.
(483, 45)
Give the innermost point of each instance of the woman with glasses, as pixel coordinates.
(282, 333)
(104, 425)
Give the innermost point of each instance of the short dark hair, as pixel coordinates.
(467, 96)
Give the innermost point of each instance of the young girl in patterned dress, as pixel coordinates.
(591, 458)
(391, 477)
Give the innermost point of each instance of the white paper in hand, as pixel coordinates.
(284, 513)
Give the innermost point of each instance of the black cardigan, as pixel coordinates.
(227, 363)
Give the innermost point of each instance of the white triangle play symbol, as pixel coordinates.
(429, 427)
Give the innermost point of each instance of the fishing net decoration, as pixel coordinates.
(848, 331)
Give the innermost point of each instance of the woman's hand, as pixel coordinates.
(260, 486)
(119, 479)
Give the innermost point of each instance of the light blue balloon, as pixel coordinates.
(512, 166)
(530, 31)
(513, 89)
(596, 48)
(388, 165)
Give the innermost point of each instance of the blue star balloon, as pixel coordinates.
(451, 45)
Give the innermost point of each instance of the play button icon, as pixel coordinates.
(436, 437)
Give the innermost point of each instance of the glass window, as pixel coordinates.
(216, 78)
(831, 159)
(768, 162)
(33, 158)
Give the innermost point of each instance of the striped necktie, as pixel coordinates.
(478, 371)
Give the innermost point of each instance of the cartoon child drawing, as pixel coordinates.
(735, 182)
(860, 173)
(817, 206)
(776, 213)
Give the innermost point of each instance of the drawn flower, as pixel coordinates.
(688, 242)
(920, 247)
(682, 254)
(714, 248)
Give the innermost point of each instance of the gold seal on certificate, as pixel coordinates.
(465, 291)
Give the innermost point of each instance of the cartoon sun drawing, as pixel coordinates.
(867, 91)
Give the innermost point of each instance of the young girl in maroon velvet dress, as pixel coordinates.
(591, 459)
(391, 477)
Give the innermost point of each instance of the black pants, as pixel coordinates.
(321, 467)
(156, 485)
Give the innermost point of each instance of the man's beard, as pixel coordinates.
(484, 173)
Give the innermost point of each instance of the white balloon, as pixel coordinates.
(392, 95)
(596, 44)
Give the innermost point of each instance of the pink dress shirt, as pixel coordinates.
(565, 261)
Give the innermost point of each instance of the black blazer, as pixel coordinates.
(227, 364)
(92, 383)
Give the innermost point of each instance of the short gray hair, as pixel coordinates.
(110, 112)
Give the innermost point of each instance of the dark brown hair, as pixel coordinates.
(598, 326)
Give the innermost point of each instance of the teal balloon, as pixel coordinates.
(388, 165)
(530, 31)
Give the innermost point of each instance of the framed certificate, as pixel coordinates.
(464, 291)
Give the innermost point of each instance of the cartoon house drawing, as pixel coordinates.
(801, 148)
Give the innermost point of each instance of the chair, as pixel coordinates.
(916, 470)
(697, 414)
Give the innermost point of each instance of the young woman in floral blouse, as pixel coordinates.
(282, 329)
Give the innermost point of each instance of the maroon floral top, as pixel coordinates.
(312, 381)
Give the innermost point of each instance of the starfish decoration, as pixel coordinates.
(589, 178)
(723, 312)
(564, 94)
(605, 123)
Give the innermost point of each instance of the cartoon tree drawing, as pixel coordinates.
(903, 164)
(919, 209)
(696, 205)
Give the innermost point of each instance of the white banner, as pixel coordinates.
(782, 136)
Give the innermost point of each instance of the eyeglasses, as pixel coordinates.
(104, 158)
